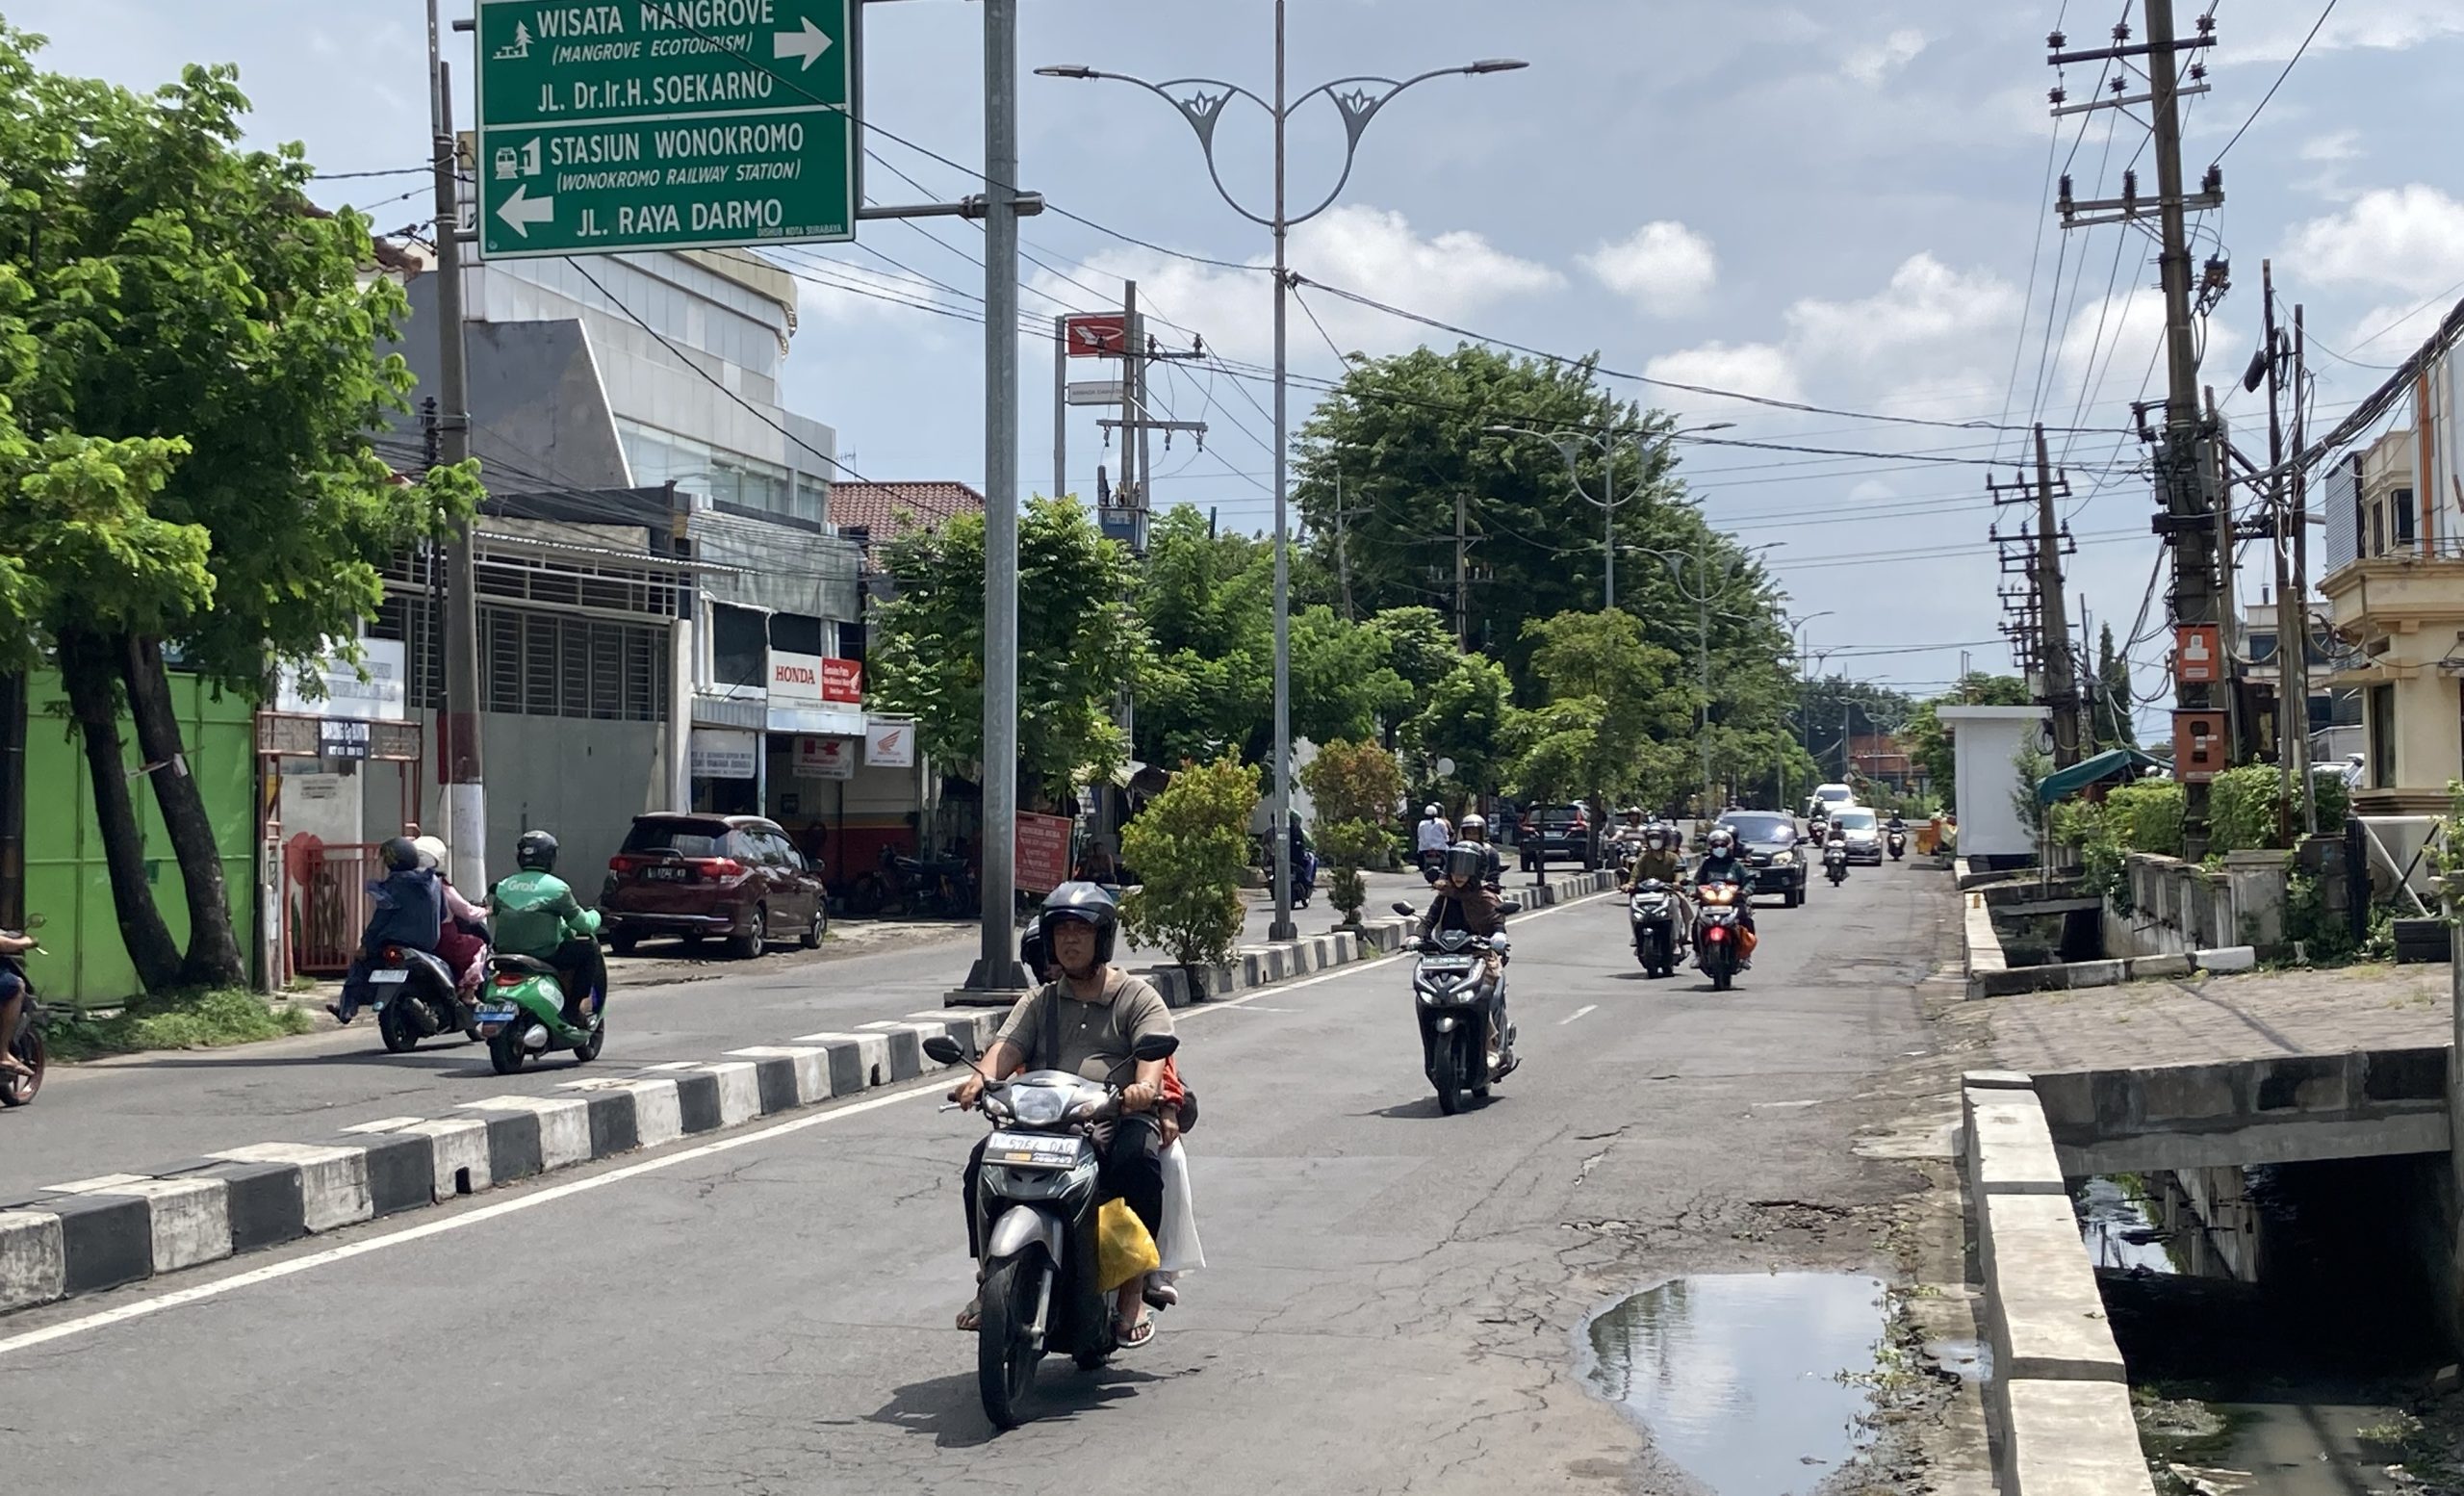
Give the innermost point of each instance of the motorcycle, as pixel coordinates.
(417, 998)
(1039, 1200)
(1652, 910)
(522, 1012)
(1304, 879)
(1456, 1010)
(1721, 940)
(1433, 864)
(27, 1043)
(1834, 862)
(913, 886)
(1898, 843)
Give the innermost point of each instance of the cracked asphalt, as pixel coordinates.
(1392, 1304)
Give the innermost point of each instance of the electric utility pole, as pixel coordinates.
(466, 793)
(2186, 476)
(2060, 684)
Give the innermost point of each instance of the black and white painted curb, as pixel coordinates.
(87, 1235)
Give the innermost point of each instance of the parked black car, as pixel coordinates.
(1556, 833)
(1770, 842)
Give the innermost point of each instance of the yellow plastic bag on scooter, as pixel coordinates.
(1123, 1249)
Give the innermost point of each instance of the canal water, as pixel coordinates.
(1754, 1384)
(2298, 1385)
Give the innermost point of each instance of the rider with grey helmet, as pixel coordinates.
(1476, 831)
(1466, 902)
(1724, 863)
(1086, 1019)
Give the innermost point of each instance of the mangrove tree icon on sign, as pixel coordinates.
(665, 124)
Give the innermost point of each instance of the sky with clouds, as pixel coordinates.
(1818, 202)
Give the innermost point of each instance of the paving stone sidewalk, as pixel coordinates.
(2211, 1017)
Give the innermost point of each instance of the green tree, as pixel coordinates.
(1191, 845)
(212, 369)
(1400, 438)
(1466, 719)
(1079, 642)
(1611, 727)
(1355, 788)
(2111, 711)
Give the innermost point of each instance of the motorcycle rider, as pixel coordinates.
(463, 945)
(1086, 1020)
(1657, 858)
(1435, 837)
(1722, 863)
(1630, 838)
(1476, 831)
(1465, 901)
(1836, 841)
(409, 912)
(13, 1001)
(537, 916)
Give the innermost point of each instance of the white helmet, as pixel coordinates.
(1430, 810)
(1475, 828)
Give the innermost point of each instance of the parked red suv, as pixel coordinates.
(691, 875)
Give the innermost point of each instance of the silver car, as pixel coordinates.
(1864, 830)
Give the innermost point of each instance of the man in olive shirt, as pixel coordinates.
(1086, 1022)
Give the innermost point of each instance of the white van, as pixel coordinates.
(1828, 797)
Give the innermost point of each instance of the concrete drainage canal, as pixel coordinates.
(1753, 1383)
(2286, 1341)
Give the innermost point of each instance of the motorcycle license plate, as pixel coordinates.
(1446, 964)
(1050, 1149)
(389, 978)
(497, 1014)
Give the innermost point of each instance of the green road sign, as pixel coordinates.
(664, 124)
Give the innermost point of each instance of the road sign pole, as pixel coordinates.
(465, 790)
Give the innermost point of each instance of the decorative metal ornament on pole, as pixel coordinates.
(1201, 101)
(1570, 444)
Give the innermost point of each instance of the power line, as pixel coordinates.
(2279, 80)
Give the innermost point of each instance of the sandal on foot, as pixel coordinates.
(1131, 1337)
(971, 1318)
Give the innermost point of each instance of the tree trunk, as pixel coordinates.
(214, 958)
(88, 670)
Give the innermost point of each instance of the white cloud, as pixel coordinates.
(1661, 268)
(1748, 368)
(2410, 238)
(1926, 307)
(2342, 145)
(1872, 62)
(1453, 276)
(2272, 30)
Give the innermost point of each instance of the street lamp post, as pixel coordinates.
(1570, 444)
(1797, 626)
(1201, 102)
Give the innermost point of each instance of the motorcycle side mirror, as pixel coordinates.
(1155, 1046)
(945, 1050)
(1512, 906)
(1402, 907)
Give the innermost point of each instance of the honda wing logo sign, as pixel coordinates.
(889, 745)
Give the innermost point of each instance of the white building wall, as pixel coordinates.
(1983, 742)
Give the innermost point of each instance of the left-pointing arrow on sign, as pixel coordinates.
(520, 210)
(809, 44)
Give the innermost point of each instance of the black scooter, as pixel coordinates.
(417, 998)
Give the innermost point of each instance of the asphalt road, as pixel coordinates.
(1392, 1299)
(142, 1112)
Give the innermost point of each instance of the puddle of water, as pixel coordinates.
(1754, 1384)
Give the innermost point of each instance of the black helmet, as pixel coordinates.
(1468, 861)
(399, 854)
(535, 852)
(1090, 903)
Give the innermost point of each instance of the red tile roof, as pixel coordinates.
(890, 510)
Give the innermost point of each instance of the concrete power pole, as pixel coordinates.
(1061, 405)
(466, 794)
(1132, 477)
(2187, 474)
(997, 968)
(2061, 683)
(1462, 572)
(2292, 712)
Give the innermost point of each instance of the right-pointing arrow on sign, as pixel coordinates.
(807, 43)
(520, 210)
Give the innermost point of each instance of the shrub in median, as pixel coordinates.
(1189, 847)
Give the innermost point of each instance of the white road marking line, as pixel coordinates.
(928, 1088)
(1578, 1013)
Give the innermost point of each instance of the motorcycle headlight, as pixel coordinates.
(1037, 1107)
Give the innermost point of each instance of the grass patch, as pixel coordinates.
(196, 1022)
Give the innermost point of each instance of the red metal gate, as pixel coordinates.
(325, 902)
